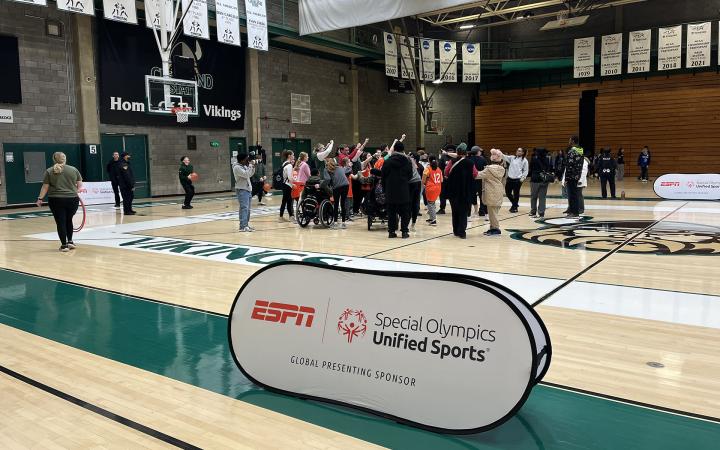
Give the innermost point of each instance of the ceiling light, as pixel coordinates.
(466, 27)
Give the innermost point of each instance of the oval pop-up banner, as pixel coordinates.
(688, 186)
(443, 352)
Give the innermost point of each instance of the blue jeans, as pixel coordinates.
(244, 198)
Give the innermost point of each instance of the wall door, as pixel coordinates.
(136, 145)
(296, 145)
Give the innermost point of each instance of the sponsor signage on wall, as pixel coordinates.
(461, 365)
(120, 10)
(697, 46)
(127, 55)
(448, 60)
(195, 22)
(471, 62)
(256, 16)
(77, 6)
(428, 56)
(228, 21)
(611, 55)
(688, 186)
(584, 60)
(97, 193)
(639, 51)
(391, 68)
(6, 116)
(670, 48)
(407, 57)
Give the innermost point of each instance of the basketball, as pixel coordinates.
(266, 187)
(194, 177)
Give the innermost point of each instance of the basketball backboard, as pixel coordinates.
(163, 94)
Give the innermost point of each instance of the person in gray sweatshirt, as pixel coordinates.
(341, 186)
(243, 172)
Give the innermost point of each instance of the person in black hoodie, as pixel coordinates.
(461, 190)
(443, 160)
(112, 168)
(573, 173)
(541, 172)
(126, 182)
(607, 167)
(396, 174)
(476, 156)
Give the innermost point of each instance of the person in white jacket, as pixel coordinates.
(288, 158)
(517, 172)
(582, 184)
(243, 170)
(319, 156)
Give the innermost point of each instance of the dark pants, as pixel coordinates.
(127, 195)
(189, 193)
(573, 193)
(341, 194)
(459, 215)
(358, 196)
(116, 191)
(395, 209)
(415, 200)
(287, 200)
(482, 210)
(259, 189)
(604, 180)
(512, 190)
(443, 196)
(643, 173)
(63, 210)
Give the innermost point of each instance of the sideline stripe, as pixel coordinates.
(604, 257)
(100, 411)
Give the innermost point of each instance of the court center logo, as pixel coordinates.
(665, 238)
(352, 324)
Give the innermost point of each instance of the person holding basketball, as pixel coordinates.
(61, 184)
(185, 173)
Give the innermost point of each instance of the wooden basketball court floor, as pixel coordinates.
(122, 343)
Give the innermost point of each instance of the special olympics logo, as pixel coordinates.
(470, 48)
(447, 47)
(690, 184)
(352, 324)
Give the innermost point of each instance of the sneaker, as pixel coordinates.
(567, 211)
(428, 220)
(533, 215)
(572, 216)
(242, 230)
(343, 225)
(487, 219)
(487, 233)
(541, 216)
(462, 236)
(116, 206)
(71, 245)
(261, 204)
(392, 235)
(131, 213)
(432, 223)
(249, 230)
(64, 248)
(405, 235)
(334, 226)
(442, 211)
(412, 227)
(186, 207)
(496, 232)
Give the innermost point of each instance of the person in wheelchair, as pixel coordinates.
(316, 201)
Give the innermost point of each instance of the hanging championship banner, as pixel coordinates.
(256, 16)
(391, 353)
(120, 10)
(77, 6)
(697, 45)
(670, 48)
(611, 55)
(639, 51)
(195, 23)
(584, 61)
(391, 68)
(153, 8)
(428, 55)
(407, 55)
(471, 63)
(228, 21)
(448, 60)
(33, 2)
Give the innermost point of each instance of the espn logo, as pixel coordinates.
(670, 183)
(281, 312)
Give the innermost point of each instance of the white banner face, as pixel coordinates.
(697, 47)
(120, 10)
(96, 193)
(670, 48)
(611, 55)
(77, 6)
(391, 62)
(429, 54)
(195, 23)
(688, 186)
(584, 61)
(33, 2)
(471, 63)
(228, 21)
(407, 62)
(639, 51)
(390, 353)
(157, 7)
(448, 60)
(317, 16)
(256, 15)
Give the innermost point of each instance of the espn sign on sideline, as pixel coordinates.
(688, 186)
(460, 363)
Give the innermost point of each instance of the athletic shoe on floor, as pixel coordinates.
(64, 248)
(392, 235)
(261, 203)
(533, 215)
(432, 223)
(186, 207)
(405, 235)
(428, 220)
(131, 213)
(442, 211)
(71, 245)
(116, 206)
(412, 227)
(343, 225)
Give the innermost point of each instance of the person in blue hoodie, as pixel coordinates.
(644, 163)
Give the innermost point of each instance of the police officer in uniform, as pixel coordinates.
(126, 181)
(113, 170)
(607, 166)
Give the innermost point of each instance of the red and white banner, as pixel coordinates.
(97, 193)
(688, 186)
(449, 353)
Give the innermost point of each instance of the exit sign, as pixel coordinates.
(214, 144)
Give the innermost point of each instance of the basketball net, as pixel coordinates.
(182, 113)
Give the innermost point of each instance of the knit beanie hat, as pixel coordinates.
(461, 147)
(495, 155)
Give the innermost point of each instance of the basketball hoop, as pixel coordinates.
(182, 113)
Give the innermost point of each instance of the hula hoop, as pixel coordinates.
(82, 224)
